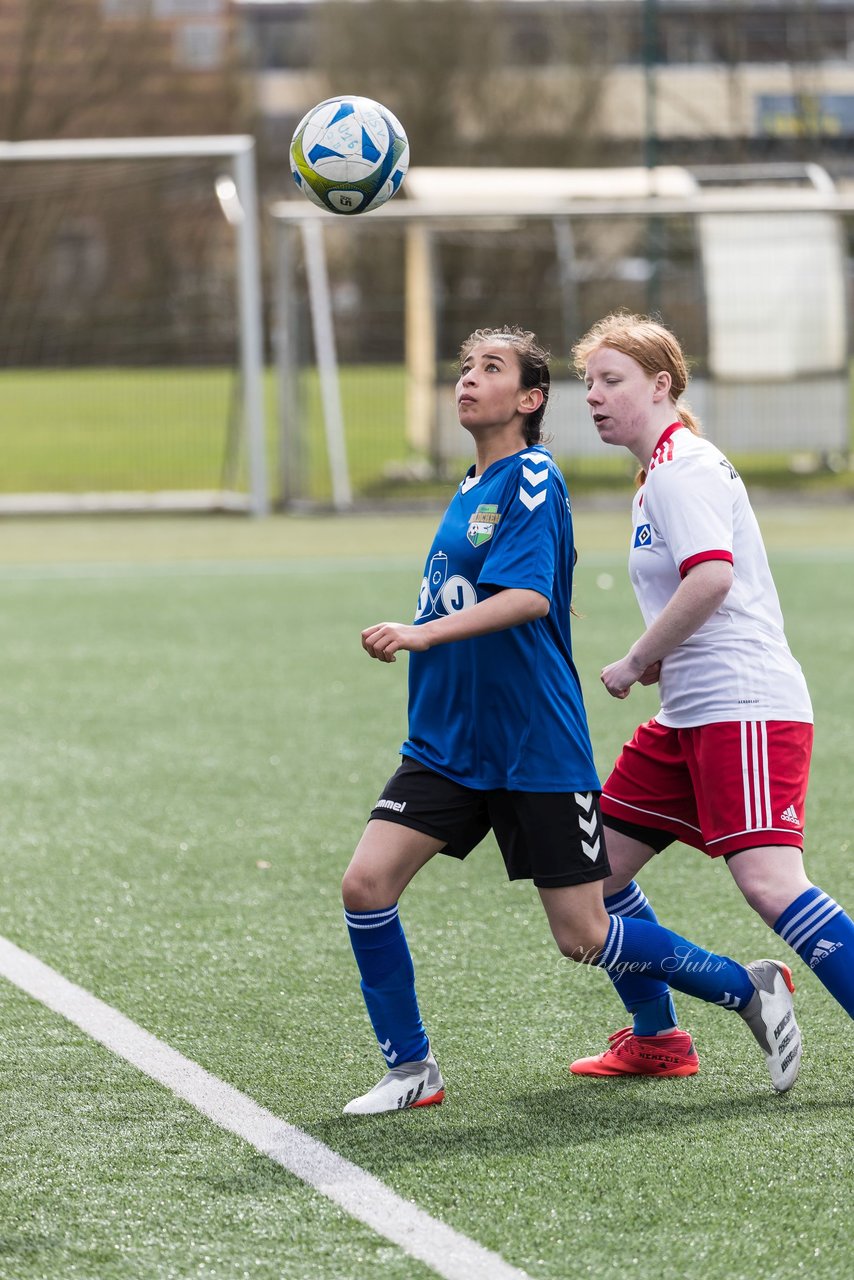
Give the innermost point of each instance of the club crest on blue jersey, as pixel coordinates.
(643, 536)
(482, 524)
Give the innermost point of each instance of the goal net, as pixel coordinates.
(749, 270)
(130, 347)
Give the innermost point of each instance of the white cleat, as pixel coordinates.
(413, 1084)
(770, 1014)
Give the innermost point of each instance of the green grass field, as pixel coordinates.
(149, 429)
(192, 739)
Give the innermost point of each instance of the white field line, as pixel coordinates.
(448, 1253)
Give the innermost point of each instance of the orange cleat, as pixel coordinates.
(672, 1054)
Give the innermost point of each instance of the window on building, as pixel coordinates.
(199, 46)
(189, 8)
(124, 8)
(283, 43)
(815, 35)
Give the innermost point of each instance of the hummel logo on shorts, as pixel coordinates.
(789, 815)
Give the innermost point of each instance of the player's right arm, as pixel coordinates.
(506, 608)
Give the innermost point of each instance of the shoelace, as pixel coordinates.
(619, 1040)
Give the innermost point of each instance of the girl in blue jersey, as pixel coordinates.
(498, 739)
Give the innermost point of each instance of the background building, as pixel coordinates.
(570, 81)
(130, 265)
(84, 68)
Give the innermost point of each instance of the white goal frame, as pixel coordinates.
(766, 211)
(239, 205)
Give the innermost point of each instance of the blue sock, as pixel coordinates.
(639, 946)
(388, 983)
(646, 999)
(822, 934)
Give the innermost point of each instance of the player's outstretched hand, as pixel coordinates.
(383, 640)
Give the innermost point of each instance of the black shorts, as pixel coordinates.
(551, 837)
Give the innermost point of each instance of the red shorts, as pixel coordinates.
(718, 787)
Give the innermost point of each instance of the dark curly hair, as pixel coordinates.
(533, 365)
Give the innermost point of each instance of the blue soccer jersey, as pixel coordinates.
(502, 711)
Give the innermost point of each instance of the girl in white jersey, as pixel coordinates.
(724, 764)
(498, 740)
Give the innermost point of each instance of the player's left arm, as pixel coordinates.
(693, 506)
(509, 608)
(700, 593)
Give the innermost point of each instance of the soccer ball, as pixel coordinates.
(349, 155)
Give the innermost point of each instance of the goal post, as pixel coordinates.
(748, 268)
(78, 217)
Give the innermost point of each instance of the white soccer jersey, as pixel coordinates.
(738, 665)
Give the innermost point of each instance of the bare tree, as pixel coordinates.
(469, 83)
(67, 69)
(81, 244)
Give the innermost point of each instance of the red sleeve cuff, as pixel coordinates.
(700, 557)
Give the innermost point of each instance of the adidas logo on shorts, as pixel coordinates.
(789, 815)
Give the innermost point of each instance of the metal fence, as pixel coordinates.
(753, 275)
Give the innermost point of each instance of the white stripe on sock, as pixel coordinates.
(821, 901)
(632, 897)
(813, 923)
(613, 944)
(355, 921)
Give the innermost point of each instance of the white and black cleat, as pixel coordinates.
(412, 1084)
(770, 1014)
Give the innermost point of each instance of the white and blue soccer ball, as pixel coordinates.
(349, 155)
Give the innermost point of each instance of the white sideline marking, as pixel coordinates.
(449, 1253)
